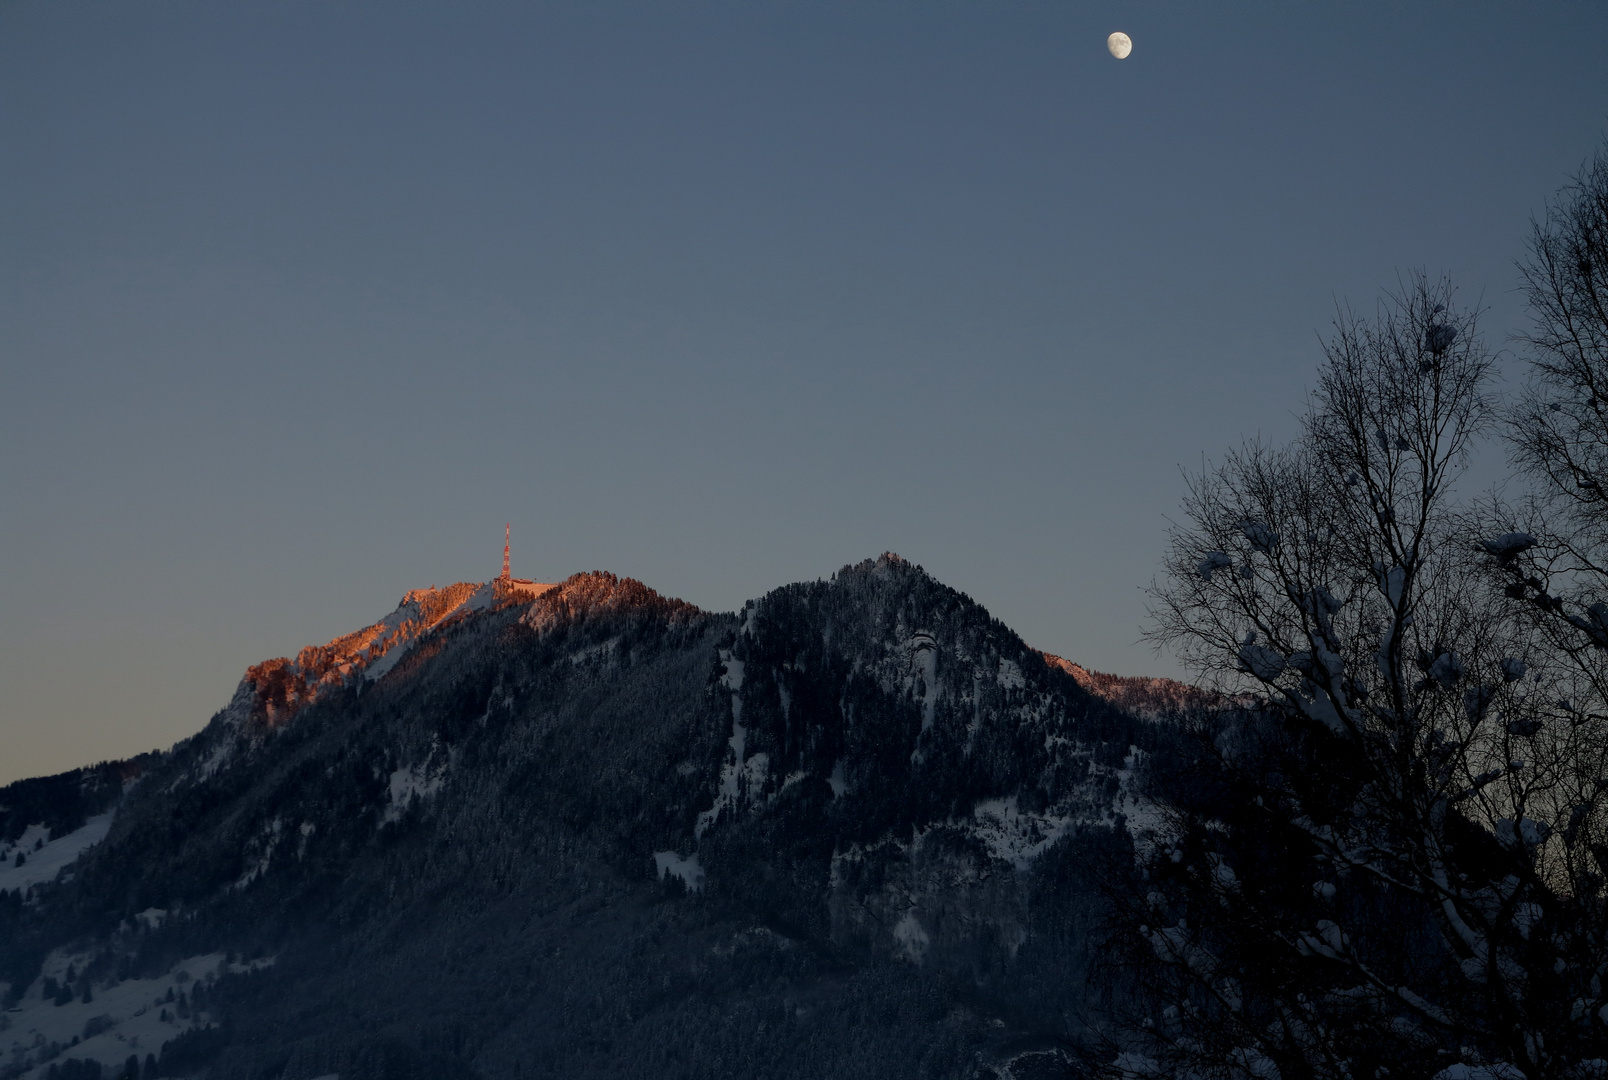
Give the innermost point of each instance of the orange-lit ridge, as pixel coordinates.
(278, 689)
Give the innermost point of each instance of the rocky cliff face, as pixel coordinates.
(276, 690)
(852, 830)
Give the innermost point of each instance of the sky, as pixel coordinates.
(300, 302)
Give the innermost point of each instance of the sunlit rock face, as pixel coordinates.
(282, 687)
(1142, 695)
(853, 829)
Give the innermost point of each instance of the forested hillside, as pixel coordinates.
(854, 830)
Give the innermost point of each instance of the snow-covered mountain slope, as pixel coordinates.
(852, 830)
(276, 690)
(37, 857)
(132, 1017)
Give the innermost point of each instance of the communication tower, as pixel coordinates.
(508, 532)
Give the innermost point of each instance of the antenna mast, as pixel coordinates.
(508, 532)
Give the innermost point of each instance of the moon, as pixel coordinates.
(1120, 45)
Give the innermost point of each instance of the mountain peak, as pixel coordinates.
(885, 564)
(598, 592)
(274, 691)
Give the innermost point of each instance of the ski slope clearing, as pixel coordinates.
(44, 863)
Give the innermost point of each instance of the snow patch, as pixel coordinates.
(756, 773)
(46, 862)
(1499, 1070)
(1266, 664)
(1015, 836)
(1145, 822)
(1508, 546)
(1010, 675)
(266, 843)
(732, 677)
(412, 621)
(602, 651)
(733, 771)
(924, 663)
(409, 783)
(1392, 582)
(687, 869)
(912, 938)
(133, 1016)
(387, 661)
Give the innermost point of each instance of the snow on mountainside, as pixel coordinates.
(586, 830)
(273, 692)
(282, 687)
(36, 856)
(132, 1018)
(970, 761)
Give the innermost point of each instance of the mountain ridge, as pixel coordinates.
(864, 796)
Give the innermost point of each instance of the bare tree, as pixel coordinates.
(1560, 430)
(1550, 556)
(1375, 880)
(1555, 558)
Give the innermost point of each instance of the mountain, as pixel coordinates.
(856, 829)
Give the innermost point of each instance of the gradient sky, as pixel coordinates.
(300, 302)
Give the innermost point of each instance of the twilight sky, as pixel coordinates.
(299, 302)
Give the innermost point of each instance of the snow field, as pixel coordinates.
(129, 1014)
(48, 861)
(688, 870)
